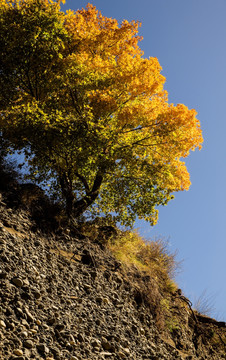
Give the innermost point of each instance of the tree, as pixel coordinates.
(89, 111)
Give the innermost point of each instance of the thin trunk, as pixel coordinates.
(67, 192)
(80, 206)
(77, 208)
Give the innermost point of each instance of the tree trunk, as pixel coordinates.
(67, 192)
(77, 208)
(80, 206)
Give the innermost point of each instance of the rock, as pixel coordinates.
(126, 351)
(10, 325)
(72, 340)
(106, 345)
(24, 322)
(99, 299)
(20, 314)
(122, 355)
(96, 343)
(3, 274)
(2, 324)
(105, 354)
(106, 301)
(36, 294)
(60, 327)
(142, 331)
(42, 348)
(80, 338)
(24, 333)
(18, 352)
(46, 327)
(17, 282)
(26, 282)
(28, 344)
(30, 317)
(87, 258)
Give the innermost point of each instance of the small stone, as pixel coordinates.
(80, 338)
(2, 324)
(71, 337)
(3, 274)
(72, 340)
(30, 317)
(106, 345)
(96, 343)
(18, 352)
(42, 348)
(37, 294)
(24, 322)
(93, 274)
(106, 354)
(142, 331)
(126, 351)
(72, 343)
(48, 256)
(28, 344)
(60, 327)
(56, 352)
(17, 282)
(26, 282)
(99, 299)
(121, 355)
(35, 271)
(10, 325)
(106, 301)
(24, 333)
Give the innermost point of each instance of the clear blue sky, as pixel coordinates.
(189, 39)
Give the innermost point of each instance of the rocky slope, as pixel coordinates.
(64, 297)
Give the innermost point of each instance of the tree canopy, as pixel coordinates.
(89, 110)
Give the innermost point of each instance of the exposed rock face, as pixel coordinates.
(66, 298)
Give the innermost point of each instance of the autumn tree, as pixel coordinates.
(89, 110)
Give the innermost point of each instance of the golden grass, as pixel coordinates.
(151, 257)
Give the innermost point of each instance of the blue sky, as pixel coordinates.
(189, 39)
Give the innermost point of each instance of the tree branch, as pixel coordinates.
(83, 180)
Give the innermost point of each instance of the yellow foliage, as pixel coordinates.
(77, 92)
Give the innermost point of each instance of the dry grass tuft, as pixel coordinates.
(152, 257)
(150, 267)
(204, 304)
